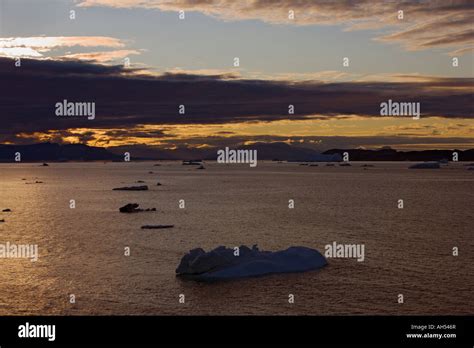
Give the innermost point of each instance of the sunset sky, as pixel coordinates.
(283, 61)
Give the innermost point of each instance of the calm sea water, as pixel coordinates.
(81, 251)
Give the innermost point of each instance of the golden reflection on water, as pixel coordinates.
(81, 250)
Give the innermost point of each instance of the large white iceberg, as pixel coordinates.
(223, 264)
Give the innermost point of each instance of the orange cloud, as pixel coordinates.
(102, 57)
(37, 46)
(425, 24)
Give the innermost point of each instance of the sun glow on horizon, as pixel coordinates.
(202, 135)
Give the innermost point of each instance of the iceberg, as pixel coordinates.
(132, 188)
(425, 165)
(225, 264)
(133, 208)
(156, 227)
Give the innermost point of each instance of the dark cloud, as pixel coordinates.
(125, 98)
(189, 77)
(63, 68)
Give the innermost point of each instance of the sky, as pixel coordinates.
(290, 52)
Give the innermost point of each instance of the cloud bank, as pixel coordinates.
(38, 45)
(128, 97)
(425, 24)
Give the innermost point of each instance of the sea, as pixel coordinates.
(416, 226)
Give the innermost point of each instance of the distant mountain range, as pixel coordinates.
(394, 155)
(52, 152)
(55, 153)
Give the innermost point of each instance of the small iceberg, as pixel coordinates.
(192, 163)
(425, 165)
(133, 208)
(156, 227)
(131, 188)
(223, 264)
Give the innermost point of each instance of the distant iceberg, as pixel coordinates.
(425, 165)
(222, 263)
